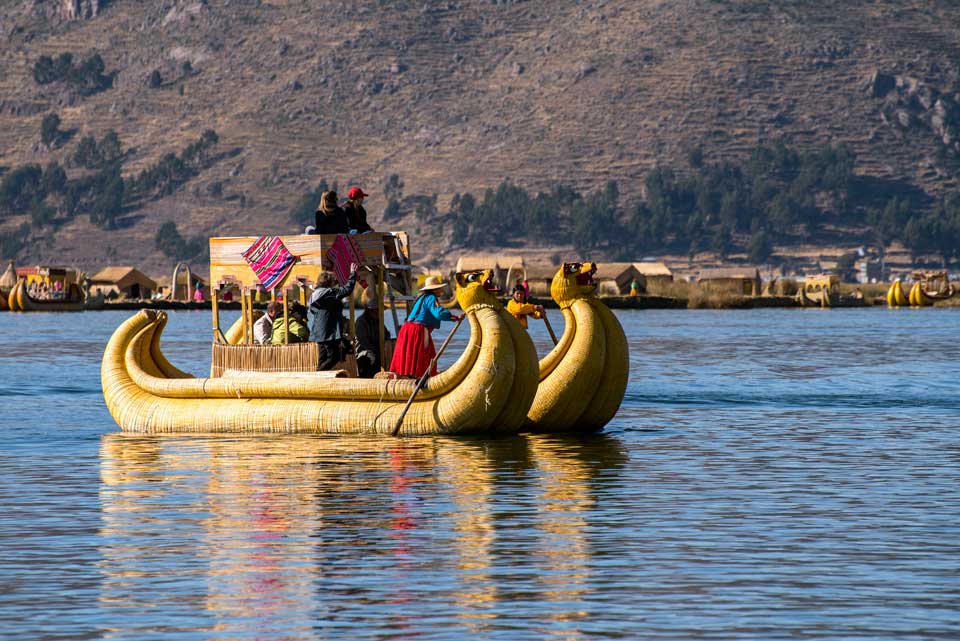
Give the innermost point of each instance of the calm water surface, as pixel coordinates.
(774, 474)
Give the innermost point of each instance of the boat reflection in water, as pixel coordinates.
(297, 536)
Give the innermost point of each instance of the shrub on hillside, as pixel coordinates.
(173, 245)
(87, 77)
(50, 129)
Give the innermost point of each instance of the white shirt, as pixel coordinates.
(263, 330)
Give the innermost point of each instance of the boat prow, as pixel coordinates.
(584, 378)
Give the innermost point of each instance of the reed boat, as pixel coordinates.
(928, 288)
(582, 381)
(895, 295)
(72, 299)
(488, 389)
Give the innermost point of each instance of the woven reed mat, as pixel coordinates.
(247, 375)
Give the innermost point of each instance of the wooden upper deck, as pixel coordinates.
(228, 266)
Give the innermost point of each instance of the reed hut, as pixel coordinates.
(8, 279)
(123, 282)
(744, 281)
(654, 272)
(507, 269)
(539, 277)
(613, 279)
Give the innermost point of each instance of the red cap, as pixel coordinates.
(356, 192)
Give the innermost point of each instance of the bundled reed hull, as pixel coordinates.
(582, 381)
(19, 300)
(488, 389)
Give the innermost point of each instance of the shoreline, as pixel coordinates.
(613, 302)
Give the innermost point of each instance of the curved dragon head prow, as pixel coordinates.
(476, 288)
(573, 281)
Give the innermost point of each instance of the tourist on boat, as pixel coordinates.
(326, 316)
(368, 337)
(330, 218)
(296, 330)
(520, 308)
(356, 214)
(263, 328)
(414, 350)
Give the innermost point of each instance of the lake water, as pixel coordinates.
(772, 474)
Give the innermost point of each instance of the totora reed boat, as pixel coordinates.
(488, 389)
(495, 386)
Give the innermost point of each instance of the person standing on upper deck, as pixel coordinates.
(356, 214)
(330, 217)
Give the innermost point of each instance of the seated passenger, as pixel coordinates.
(356, 214)
(330, 218)
(263, 327)
(326, 316)
(520, 308)
(296, 330)
(414, 351)
(368, 337)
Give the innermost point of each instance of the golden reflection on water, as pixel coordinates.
(260, 528)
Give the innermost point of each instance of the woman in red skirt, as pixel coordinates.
(414, 349)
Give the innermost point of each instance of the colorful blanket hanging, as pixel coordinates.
(343, 252)
(270, 260)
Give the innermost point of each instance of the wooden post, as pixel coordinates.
(286, 326)
(380, 316)
(243, 315)
(250, 317)
(352, 326)
(216, 314)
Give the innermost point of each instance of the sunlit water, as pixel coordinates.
(775, 474)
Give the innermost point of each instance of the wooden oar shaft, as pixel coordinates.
(423, 379)
(546, 322)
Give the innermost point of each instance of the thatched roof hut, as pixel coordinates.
(507, 269)
(124, 281)
(9, 278)
(741, 280)
(654, 271)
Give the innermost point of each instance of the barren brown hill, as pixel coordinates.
(457, 96)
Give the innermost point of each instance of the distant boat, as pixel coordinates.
(61, 283)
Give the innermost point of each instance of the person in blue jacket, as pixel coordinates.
(414, 351)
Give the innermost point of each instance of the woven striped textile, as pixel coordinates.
(270, 260)
(343, 252)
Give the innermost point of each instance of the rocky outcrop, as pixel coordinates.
(79, 9)
(910, 103)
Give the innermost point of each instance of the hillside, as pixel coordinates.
(458, 96)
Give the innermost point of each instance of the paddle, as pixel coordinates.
(549, 329)
(423, 379)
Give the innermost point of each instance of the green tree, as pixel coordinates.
(760, 247)
(54, 179)
(846, 266)
(392, 211)
(50, 129)
(87, 154)
(393, 188)
(109, 147)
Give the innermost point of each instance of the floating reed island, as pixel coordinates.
(496, 385)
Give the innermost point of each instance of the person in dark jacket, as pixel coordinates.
(368, 337)
(326, 316)
(356, 214)
(330, 217)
